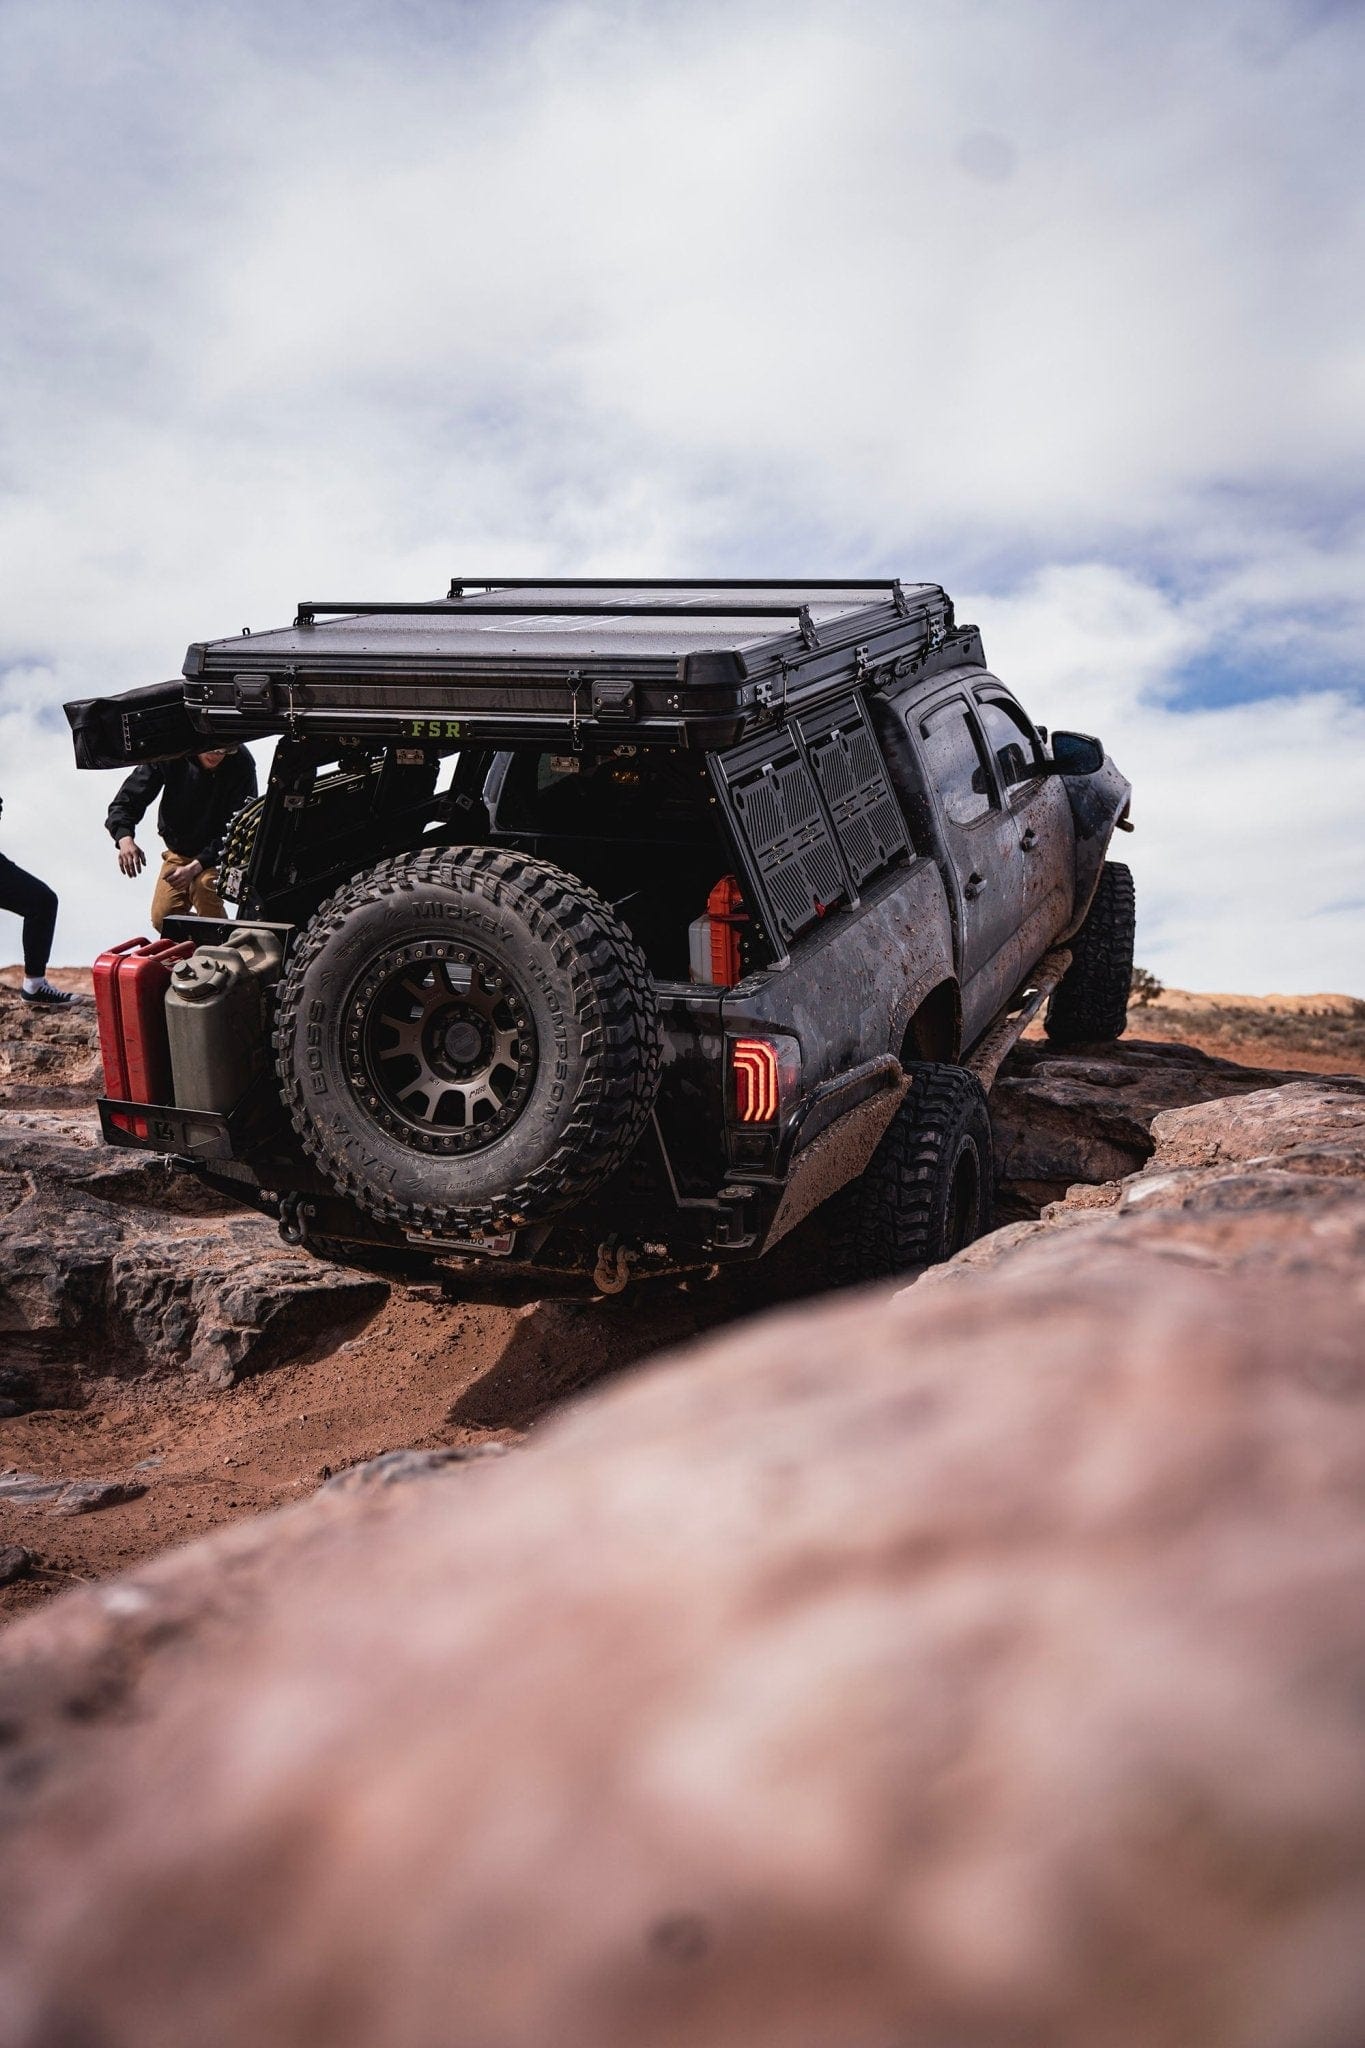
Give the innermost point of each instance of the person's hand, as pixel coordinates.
(181, 877)
(131, 859)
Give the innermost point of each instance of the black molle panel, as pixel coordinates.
(848, 767)
(779, 814)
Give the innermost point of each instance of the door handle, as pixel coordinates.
(1029, 840)
(974, 885)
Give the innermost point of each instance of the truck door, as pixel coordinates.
(1041, 814)
(981, 841)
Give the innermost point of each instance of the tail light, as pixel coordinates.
(766, 1073)
(755, 1067)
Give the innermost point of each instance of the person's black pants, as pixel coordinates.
(37, 905)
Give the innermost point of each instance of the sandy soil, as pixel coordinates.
(425, 1371)
(1316, 1044)
(1256, 1053)
(1225, 1042)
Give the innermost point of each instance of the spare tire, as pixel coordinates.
(467, 1039)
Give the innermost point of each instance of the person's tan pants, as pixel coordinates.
(200, 898)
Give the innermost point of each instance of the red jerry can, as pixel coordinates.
(108, 1018)
(713, 940)
(130, 1007)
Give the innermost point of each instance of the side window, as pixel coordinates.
(954, 765)
(1011, 739)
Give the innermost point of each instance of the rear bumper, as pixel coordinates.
(828, 1140)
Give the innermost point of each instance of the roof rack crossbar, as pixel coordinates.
(311, 609)
(459, 585)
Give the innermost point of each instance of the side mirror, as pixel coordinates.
(1075, 753)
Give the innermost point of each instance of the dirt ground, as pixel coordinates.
(428, 1370)
(424, 1371)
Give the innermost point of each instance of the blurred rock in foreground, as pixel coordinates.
(979, 1662)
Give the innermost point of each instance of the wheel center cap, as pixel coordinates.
(463, 1041)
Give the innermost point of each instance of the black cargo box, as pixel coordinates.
(696, 664)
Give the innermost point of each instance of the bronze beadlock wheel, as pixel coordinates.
(441, 1046)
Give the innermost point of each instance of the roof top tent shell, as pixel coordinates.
(689, 663)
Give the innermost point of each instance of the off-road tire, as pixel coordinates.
(1090, 1005)
(928, 1188)
(584, 987)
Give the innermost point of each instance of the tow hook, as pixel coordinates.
(612, 1271)
(294, 1217)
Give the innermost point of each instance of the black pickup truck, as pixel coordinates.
(614, 927)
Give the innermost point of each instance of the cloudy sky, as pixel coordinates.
(1060, 304)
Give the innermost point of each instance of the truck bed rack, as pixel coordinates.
(699, 663)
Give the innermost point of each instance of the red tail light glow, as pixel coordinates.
(756, 1080)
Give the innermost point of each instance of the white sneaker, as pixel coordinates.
(46, 996)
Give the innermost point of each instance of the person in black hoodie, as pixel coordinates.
(199, 794)
(32, 900)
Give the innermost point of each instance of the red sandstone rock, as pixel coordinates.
(1271, 1182)
(1062, 1116)
(978, 1665)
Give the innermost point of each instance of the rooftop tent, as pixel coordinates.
(693, 664)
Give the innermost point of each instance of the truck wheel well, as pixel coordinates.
(935, 1030)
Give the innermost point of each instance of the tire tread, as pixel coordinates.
(603, 965)
(1090, 1005)
(884, 1223)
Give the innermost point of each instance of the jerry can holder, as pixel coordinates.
(160, 1127)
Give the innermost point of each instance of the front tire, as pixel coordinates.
(929, 1187)
(468, 1040)
(1090, 1006)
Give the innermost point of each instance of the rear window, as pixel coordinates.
(954, 763)
(1011, 739)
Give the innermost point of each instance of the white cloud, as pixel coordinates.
(1248, 852)
(1059, 304)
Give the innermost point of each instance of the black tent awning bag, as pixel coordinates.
(151, 724)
